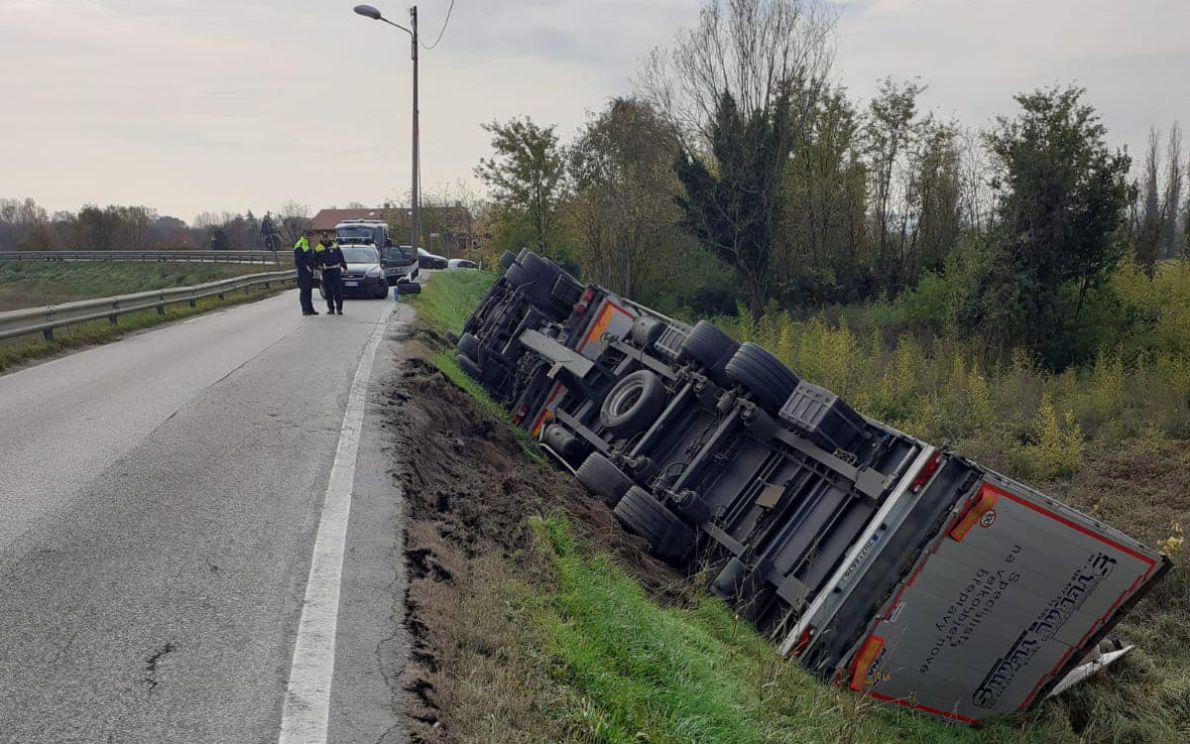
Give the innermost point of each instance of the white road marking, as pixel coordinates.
(304, 719)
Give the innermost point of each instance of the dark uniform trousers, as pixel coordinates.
(332, 282)
(303, 261)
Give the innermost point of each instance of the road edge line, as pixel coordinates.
(306, 713)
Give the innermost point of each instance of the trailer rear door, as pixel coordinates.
(1014, 590)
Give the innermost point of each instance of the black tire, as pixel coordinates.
(646, 330)
(517, 276)
(507, 260)
(601, 477)
(566, 292)
(468, 346)
(669, 538)
(633, 404)
(409, 288)
(470, 368)
(537, 266)
(709, 347)
(763, 375)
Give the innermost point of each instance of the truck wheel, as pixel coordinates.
(763, 375)
(517, 276)
(669, 538)
(507, 260)
(468, 345)
(601, 477)
(469, 367)
(634, 403)
(709, 347)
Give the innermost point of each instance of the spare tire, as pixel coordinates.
(507, 259)
(709, 347)
(601, 476)
(668, 536)
(468, 345)
(763, 375)
(470, 368)
(633, 404)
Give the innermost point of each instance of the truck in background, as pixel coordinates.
(878, 561)
(399, 262)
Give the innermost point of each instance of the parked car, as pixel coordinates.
(429, 260)
(365, 274)
(460, 263)
(878, 561)
(400, 263)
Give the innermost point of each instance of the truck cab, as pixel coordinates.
(399, 262)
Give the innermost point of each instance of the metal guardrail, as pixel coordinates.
(241, 257)
(46, 319)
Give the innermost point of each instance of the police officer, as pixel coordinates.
(332, 263)
(303, 261)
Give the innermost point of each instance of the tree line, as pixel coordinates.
(739, 172)
(26, 225)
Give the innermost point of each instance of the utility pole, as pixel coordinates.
(415, 203)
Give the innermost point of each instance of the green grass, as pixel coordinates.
(634, 671)
(448, 299)
(34, 283)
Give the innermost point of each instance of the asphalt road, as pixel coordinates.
(160, 499)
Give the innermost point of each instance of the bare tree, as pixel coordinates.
(1172, 202)
(1149, 227)
(740, 90)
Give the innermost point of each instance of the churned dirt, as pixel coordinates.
(469, 491)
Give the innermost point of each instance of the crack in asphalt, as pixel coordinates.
(151, 665)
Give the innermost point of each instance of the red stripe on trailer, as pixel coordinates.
(1072, 525)
(949, 715)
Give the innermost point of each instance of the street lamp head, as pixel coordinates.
(368, 11)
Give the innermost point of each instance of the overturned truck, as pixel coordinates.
(876, 560)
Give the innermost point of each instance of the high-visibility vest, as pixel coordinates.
(320, 247)
(302, 244)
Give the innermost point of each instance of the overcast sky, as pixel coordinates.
(213, 105)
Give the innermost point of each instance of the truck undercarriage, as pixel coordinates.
(877, 561)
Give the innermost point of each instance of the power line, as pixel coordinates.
(444, 25)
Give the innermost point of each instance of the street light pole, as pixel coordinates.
(415, 203)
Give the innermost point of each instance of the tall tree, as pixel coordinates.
(823, 232)
(1149, 228)
(525, 173)
(623, 216)
(740, 89)
(1172, 201)
(1064, 199)
(892, 131)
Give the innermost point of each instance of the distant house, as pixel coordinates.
(447, 231)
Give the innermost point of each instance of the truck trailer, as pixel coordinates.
(879, 562)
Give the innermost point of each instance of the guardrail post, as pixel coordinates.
(48, 333)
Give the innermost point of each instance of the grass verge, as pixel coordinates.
(34, 283)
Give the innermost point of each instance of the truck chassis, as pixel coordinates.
(878, 561)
